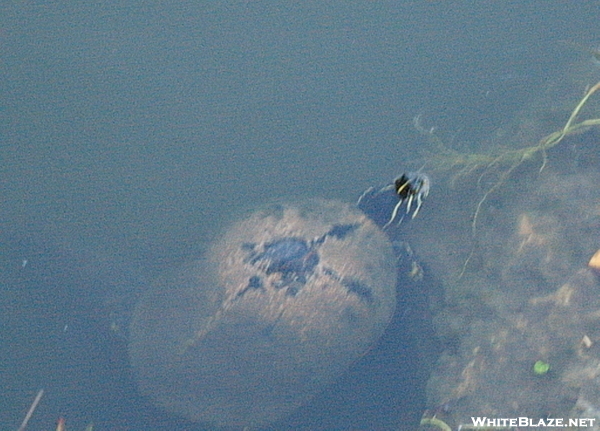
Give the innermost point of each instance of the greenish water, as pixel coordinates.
(130, 133)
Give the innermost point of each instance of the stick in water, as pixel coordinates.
(36, 401)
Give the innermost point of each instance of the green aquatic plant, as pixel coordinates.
(448, 159)
(541, 368)
(442, 158)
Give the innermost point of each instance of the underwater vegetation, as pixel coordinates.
(518, 223)
(501, 160)
(443, 158)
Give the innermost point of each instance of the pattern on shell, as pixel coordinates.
(293, 261)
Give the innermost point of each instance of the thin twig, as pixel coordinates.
(36, 401)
